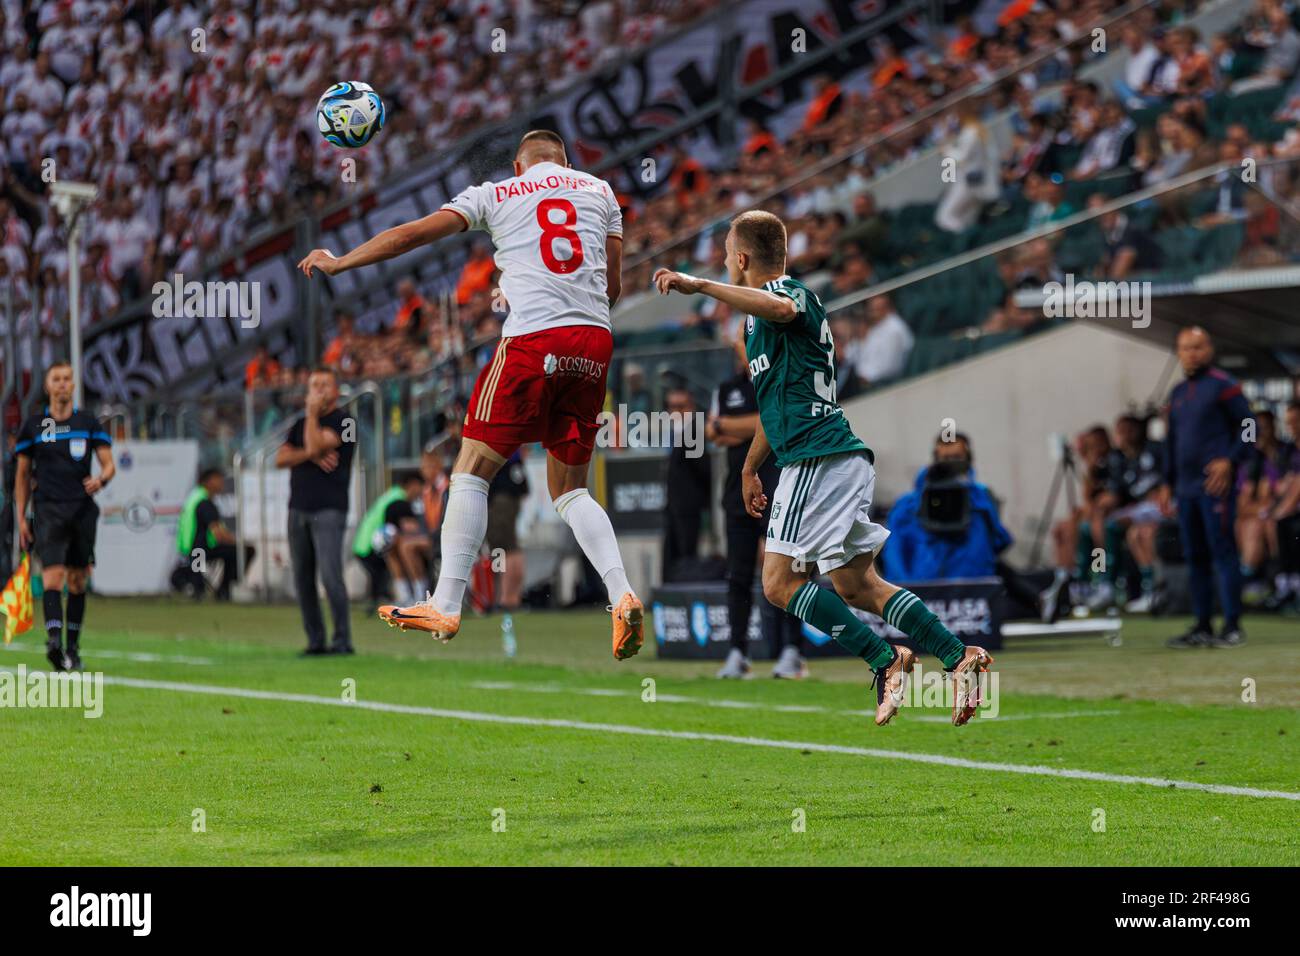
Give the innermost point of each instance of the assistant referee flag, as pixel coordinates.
(16, 601)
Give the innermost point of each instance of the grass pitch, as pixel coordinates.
(453, 755)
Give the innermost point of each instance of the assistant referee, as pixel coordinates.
(54, 452)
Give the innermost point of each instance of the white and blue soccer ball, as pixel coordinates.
(350, 114)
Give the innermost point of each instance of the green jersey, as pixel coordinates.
(792, 365)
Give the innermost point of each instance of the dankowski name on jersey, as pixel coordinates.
(524, 187)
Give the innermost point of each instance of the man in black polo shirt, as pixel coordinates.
(318, 453)
(733, 420)
(54, 451)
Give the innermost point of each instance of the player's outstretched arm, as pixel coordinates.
(759, 303)
(387, 245)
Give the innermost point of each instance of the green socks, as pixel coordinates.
(907, 612)
(826, 611)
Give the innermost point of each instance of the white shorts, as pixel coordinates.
(820, 511)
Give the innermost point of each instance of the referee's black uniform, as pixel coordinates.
(736, 397)
(65, 516)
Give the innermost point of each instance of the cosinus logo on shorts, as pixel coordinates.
(573, 365)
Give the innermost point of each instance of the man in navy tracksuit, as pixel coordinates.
(1209, 424)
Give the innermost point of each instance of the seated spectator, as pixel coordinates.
(847, 383)
(1027, 151)
(1050, 204)
(413, 309)
(1263, 482)
(1135, 87)
(340, 354)
(1137, 503)
(1127, 248)
(262, 371)
(476, 276)
(880, 353)
(1282, 52)
(1111, 146)
(688, 180)
(1230, 191)
(1195, 69)
(868, 228)
(1284, 513)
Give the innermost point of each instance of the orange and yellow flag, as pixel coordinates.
(16, 601)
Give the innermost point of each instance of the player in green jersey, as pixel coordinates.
(820, 508)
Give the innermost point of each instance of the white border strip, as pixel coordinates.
(556, 723)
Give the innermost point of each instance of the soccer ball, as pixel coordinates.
(349, 114)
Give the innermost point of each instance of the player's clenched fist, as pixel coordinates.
(321, 259)
(666, 281)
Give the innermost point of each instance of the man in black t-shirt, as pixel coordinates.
(318, 453)
(733, 420)
(54, 451)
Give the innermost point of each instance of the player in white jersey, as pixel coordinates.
(559, 245)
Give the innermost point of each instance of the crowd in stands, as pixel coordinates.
(194, 118)
(135, 110)
(1160, 120)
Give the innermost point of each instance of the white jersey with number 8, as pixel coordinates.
(549, 228)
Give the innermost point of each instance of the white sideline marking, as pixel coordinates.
(908, 713)
(469, 715)
(140, 657)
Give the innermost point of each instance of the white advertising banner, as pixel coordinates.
(135, 550)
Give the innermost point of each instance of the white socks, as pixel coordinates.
(595, 536)
(463, 529)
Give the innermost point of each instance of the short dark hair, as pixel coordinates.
(325, 370)
(406, 477)
(956, 437)
(541, 135)
(208, 473)
(761, 235)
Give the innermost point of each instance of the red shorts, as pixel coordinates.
(546, 387)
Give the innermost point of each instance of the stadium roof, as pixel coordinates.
(1252, 315)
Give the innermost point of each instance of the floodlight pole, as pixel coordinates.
(74, 305)
(71, 199)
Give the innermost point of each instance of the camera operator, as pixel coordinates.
(948, 527)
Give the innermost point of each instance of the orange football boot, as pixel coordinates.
(628, 619)
(421, 616)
